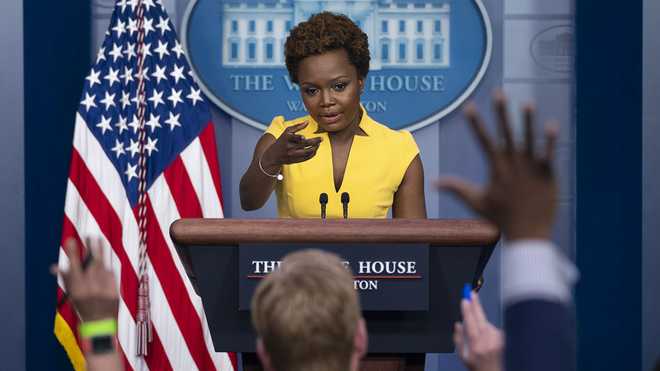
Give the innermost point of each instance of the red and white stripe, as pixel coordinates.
(96, 205)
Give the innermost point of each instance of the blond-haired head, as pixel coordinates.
(307, 315)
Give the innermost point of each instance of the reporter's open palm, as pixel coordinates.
(520, 195)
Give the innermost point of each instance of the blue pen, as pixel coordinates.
(467, 292)
(467, 295)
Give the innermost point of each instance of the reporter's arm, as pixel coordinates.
(536, 269)
(100, 346)
(537, 284)
(105, 362)
(93, 293)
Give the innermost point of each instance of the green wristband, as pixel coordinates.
(98, 328)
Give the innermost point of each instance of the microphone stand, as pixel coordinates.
(345, 199)
(323, 200)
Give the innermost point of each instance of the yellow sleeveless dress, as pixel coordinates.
(376, 165)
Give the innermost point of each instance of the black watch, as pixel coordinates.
(102, 344)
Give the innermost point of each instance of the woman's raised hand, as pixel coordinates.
(290, 148)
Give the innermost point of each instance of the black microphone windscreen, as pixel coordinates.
(345, 198)
(323, 198)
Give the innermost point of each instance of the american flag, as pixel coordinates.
(166, 142)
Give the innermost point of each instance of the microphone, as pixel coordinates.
(345, 199)
(323, 200)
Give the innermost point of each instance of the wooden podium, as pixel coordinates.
(458, 251)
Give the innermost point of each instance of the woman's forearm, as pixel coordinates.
(255, 187)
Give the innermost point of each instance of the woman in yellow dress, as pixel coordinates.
(337, 148)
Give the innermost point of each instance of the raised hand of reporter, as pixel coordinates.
(479, 344)
(93, 290)
(520, 196)
(289, 148)
(94, 295)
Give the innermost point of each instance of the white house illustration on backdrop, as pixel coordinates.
(402, 33)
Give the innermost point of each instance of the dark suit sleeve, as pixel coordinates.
(540, 336)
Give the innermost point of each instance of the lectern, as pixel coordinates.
(455, 253)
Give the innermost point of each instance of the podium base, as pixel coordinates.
(372, 362)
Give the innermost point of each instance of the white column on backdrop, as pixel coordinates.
(528, 78)
(651, 185)
(12, 186)
(427, 140)
(101, 14)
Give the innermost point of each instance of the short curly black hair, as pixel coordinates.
(324, 32)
